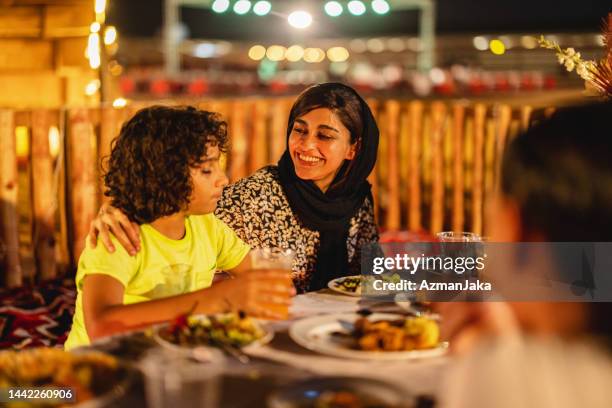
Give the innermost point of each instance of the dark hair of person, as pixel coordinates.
(148, 171)
(559, 172)
(342, 101)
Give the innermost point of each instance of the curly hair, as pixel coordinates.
(148, 169)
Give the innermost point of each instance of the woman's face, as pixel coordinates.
(318, 144)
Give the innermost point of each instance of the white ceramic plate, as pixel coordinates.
(336, 285)
(267, 337)
(315, 333)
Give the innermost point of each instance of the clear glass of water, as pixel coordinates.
(272, 258)
(458, 236)
(173, 379)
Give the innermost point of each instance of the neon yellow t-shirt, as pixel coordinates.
(163, 267)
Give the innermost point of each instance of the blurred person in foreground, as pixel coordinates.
(164, 174)
(557, 187)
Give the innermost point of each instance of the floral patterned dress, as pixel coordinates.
(257, 209)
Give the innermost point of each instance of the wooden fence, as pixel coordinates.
(438, 165)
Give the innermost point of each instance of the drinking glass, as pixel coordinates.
(174, 379)
(272, 258)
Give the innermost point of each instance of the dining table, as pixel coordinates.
(282, 362)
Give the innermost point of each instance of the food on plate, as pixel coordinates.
(352, 284)
(403, 334)
(87, 375)
(234, 329)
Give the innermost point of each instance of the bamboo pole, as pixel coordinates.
(373, 177)
(438, 111)
(525, 117)
(503, 119)
(278, 138)
(480, 112)
(110, 126)
(82, 176)
(259, 137)
(240, 142)
(392, 222)
(8, 201)
(414, 182)
(404, 161)
(43, 196)
(458, 182)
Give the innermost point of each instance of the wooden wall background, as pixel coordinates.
(438, 166)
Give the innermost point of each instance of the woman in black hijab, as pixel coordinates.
(329, 211)
(316, 202)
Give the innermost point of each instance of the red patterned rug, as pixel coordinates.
(35, 316)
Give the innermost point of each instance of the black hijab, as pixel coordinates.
(330, 212)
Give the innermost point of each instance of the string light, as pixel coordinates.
(257, 52)
(242, 7)
(380, 6)
(300, 19)
(220, 6)
(333, 8)
(356, 7)
(110, 35)
(261, 8)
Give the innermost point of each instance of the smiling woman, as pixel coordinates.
(317, 200)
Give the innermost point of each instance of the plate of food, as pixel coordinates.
(339, 392)
(234, 330)
(346, 285)
(379, 336)
(80, 379)
(354, 285)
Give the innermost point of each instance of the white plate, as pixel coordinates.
(267, 337)
(334, 285)
(315, 333)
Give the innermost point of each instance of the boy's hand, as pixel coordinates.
(259, 293)
(110, 219)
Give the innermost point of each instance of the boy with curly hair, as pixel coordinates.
(164, 174)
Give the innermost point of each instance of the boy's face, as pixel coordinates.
(208, 182)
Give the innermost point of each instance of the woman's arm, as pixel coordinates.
(263, 294)
(110, 219)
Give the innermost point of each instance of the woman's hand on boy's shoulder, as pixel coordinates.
(111, 220)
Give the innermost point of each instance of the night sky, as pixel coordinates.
(142, 18)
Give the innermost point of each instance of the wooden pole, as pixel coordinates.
(8, 201)
(438, 112)
(373, 177)
(82, 175)
(278, 138)
(259, 137)
(240, 142)
(480, 112)
(414, 182)
(43, 195)
(393, 177)
(458, 182)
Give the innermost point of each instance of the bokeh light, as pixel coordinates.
(497, 47)
(257, 52)
(337, 54)
(333, 8)
(261, 8)
(242, 7)
(380, 6)
(220, 6)
(356, 7)
(294, 53)
(276, 53)
(300, 19)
